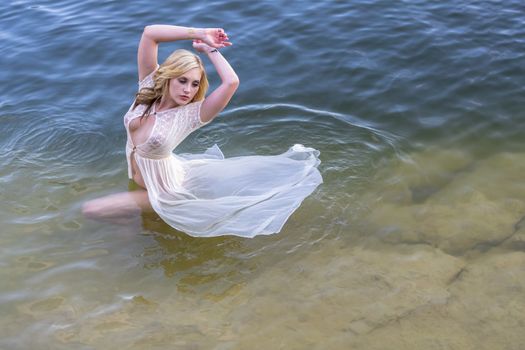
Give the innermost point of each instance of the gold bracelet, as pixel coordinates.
(191, 33)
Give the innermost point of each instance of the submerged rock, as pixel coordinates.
(417, 176)
(485, 311)
(340, 292)
(476, 208)
(517, 240)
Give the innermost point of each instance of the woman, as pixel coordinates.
(201, 194)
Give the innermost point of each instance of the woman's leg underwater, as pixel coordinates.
(119, 207)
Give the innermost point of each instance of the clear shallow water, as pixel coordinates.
(415, 240)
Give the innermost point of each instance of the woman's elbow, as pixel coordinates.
(234, 82)
(147, 30)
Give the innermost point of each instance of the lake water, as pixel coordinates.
(415, 240)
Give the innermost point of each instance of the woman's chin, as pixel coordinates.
(182, 101)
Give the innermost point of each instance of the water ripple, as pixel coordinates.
(39, 138)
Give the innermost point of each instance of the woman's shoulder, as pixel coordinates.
(192, 111)
(147, 81)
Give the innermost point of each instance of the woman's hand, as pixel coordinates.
(201, 47)
(215, 37)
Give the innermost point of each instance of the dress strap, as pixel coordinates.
(155, 108)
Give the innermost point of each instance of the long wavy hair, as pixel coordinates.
(178, 63)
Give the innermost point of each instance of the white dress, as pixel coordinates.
(208, 195)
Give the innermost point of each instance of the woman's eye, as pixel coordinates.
(195, 84)
(182, 81)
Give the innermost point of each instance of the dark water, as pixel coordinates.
(415, 106)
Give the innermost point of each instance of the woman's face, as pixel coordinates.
(183, 88)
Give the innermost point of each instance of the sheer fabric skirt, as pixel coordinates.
(207, 195)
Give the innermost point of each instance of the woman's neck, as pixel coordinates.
(165, 103)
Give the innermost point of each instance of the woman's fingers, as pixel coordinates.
(220, 33)
(217, 38)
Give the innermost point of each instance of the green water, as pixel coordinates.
(415, 240)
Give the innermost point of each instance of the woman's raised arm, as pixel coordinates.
(220, 97)
(154, 34)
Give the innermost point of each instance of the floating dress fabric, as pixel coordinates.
(206, 194)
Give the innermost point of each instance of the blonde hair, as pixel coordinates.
(178, 63)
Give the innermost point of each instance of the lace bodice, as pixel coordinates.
(171, 127)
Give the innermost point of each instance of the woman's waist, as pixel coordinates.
(153, 156)
(145, 151)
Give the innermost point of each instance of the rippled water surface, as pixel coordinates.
(415, 240)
